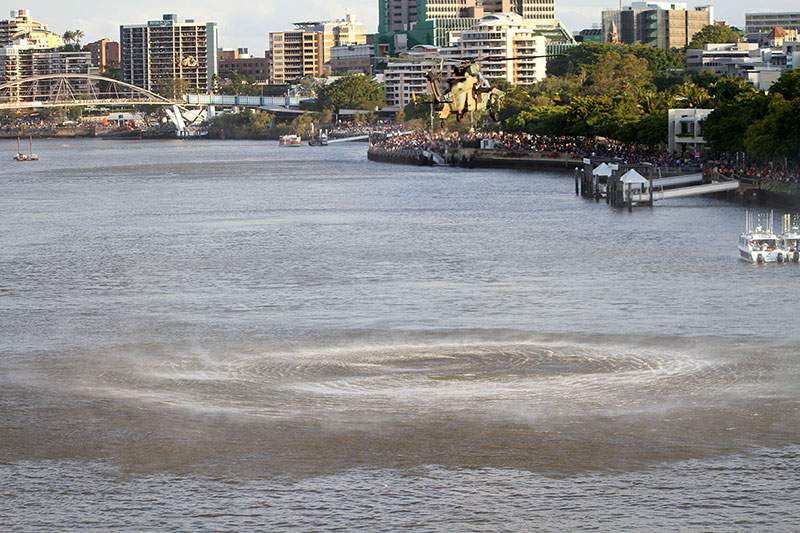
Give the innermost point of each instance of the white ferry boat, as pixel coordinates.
(291, 140)
(789, 240)
(759, 244)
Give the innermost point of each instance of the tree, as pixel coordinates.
(690, 95)
(727, 125)
(617, 74)
(326, 116)
(351, 92)
(777, 135)
(728, 90)
(172, 88)
(788, 85)
(714, 34)
(301, 125)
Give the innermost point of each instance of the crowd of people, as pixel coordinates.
(522, 144)
(761, 172)
(349, 128)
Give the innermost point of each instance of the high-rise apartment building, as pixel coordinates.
(167, 49)
(295, 55)
(496, 34)
(662, 24)
(506, 35)
(347, 31)
(764, 22)
(305, 50)
(17, 25)
(30, 49)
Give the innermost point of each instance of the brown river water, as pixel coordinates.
(236, 336)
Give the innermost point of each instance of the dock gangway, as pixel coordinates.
(685, 192)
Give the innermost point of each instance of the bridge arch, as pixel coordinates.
(71, 90)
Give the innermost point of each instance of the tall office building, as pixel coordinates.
(764, 22)
(167, 49)
(662, 24)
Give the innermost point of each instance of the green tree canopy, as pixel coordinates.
(351, 92)
(714, 34)
(587, 56)
(788, 85)
(727, 125)
(172, 88)
(776, 135)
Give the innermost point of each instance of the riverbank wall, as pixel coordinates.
(400, 157)
(49, 133)
(475, 158)
(782, 193)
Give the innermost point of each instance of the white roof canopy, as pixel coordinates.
(633, 177)
(602, 170)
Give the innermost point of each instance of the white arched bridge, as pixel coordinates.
(84, 90)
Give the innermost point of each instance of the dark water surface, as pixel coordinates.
(232, 335)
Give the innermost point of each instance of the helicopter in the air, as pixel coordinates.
(466, 91)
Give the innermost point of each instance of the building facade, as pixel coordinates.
(231, 61)
(506, 35)
(19, 23)
(155, 53)
(23, 60)
(765, 22)
(662, 24)
(104, 52)
(687, 130)
(306, 50)
(403, 24)
(295, 55)
(353, 59)
(761, 65)
(404, 79)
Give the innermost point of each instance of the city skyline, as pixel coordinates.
(247, 25)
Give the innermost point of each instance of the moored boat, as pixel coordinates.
(320, 140)
(19, 156)
(789, 239)
(759, 244)
(122, 134)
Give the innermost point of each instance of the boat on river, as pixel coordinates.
(290, 140)
(789, 239)
(19, 156)
(759, 244)
(320, 140)
(123, 133)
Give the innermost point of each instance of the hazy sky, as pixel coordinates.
(248, 23)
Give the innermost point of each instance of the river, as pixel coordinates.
(231, 335)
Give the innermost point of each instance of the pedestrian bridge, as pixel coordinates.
(222, 100)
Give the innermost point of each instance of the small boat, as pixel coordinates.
(759, 244)
(19, 156)
(321, 140)
(291, 140)
(789, 240)
(122, 134)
